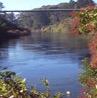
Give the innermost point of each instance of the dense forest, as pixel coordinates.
(13, 25)
(38, 20)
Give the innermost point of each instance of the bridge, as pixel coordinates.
(41, 10)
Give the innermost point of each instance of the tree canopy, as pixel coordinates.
(1, 6)
(84, 3)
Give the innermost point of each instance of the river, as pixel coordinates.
(55, 56)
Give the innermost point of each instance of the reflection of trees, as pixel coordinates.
(4, 52)
(4, 48)
(52, 41)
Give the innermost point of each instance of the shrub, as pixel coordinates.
(13, 86)
(86, 24)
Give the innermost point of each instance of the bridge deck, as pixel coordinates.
(40, 10)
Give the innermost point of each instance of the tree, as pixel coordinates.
(72, 4)
(1, 6)
(84, 3)
(11, 17)
(71, 1)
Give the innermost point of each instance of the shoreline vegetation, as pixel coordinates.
(24, 23)
(85, 23)
(13, 86)
(51, 21)
(62, 26)
(9, 30)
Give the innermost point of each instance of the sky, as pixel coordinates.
(29, 4)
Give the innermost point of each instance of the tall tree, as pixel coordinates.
(84, 3)
(1, 6)
(71, 1)
(72, 4)
(11, 17)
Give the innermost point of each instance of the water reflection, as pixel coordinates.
(56, 56)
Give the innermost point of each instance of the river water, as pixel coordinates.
(55, 56)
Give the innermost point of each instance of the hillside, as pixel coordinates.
(38, 20)
(62, 26)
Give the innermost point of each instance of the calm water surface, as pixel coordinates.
(54, 56)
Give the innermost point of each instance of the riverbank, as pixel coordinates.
(85, 23)
(13, 33)
(11, 30)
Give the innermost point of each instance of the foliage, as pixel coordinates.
(13, 86)
(85, 3)
(86, 24)
(62, 26)
(39, 20)
(85, 20)
(89, 80)
(1, 6)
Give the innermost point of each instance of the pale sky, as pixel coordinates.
(29, 4)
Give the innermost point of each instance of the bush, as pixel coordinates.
(13, 86)
(86, 24)
(85, 21)
(89, 80)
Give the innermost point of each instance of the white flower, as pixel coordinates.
(24, 80)
(12, 96)
(21, 91)
(68, 92)
(95, 14)
(96, 86)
